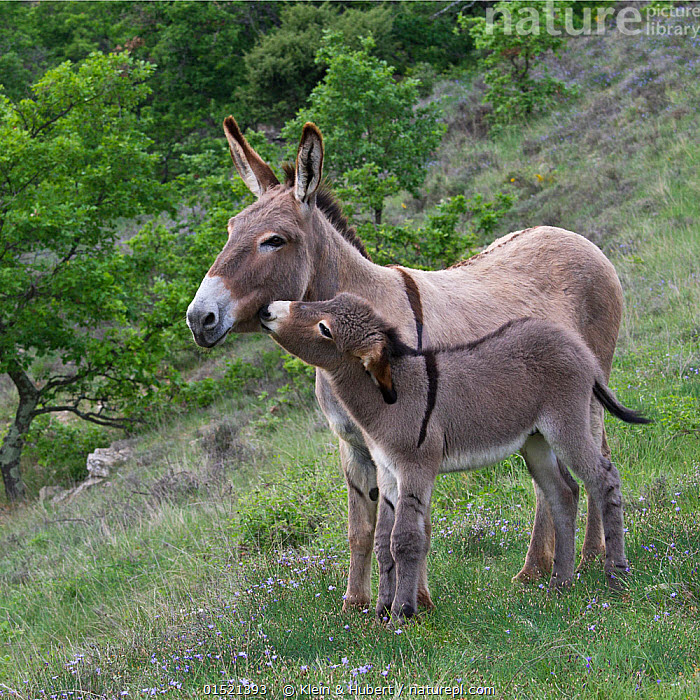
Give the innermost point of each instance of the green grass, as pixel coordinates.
(219, 553)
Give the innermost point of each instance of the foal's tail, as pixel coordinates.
(611, 404)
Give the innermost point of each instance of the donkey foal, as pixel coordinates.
(460, 408)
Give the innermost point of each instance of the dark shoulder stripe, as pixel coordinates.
(432, 372)
(414, 300)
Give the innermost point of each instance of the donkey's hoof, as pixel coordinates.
(425, 601)
(589, 558)
(529, 574)
(355, 603)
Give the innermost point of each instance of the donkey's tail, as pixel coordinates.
(611, 404)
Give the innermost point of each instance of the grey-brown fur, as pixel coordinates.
(529, 380)
(543, 271)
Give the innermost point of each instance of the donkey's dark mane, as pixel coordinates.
(330, 206)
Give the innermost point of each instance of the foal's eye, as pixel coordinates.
(272, 243)
(325, 330)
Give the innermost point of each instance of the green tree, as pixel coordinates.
(281, 67)
(514, 39)
(378, 140)
(423, 33)
(451, 232)
(196, 47)
(19, 52)
(198, 51)
(73, 160)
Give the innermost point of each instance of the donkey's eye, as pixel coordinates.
(325, 330)
(272, 243)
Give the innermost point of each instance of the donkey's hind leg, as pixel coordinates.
(540, 552)
(562, 501)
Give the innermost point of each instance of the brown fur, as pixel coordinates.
(477, 402)
(545, 272)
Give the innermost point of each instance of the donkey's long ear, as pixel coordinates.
(309, 164)
(256, 173)
(376, 362)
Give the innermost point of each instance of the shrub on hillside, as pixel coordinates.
(517, 80)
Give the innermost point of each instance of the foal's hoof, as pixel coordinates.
(383, 611)
(558, 585)
(400, 617)
(617, 577)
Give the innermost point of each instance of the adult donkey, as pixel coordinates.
(294, 243)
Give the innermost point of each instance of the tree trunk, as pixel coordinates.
(11, 450)
(378, 217)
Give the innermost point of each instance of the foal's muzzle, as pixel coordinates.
(272, 315)
(265, 316)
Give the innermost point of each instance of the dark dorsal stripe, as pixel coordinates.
(413, 295)
(432, 372)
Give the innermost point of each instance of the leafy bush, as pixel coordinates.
(451, 233)
(288, 513)
(518, 84)
(301, 376)
(59, 451)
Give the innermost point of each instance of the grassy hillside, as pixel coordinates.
(218, 554)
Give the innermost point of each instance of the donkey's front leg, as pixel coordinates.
(361, 479)
(410, 541)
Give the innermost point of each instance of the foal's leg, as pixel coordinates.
(540, 553)
(409, 543)
(563, 504)
(388, 497)
(607, 488)
(594, 542)
(602, 481)
(424, 599)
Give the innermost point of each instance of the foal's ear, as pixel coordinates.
(256, 173)
(376, 362)
(309, 165)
